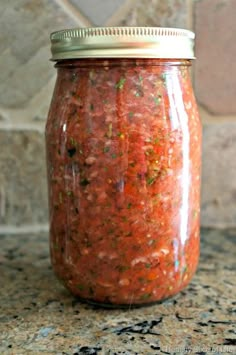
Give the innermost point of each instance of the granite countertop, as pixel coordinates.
(37, 315)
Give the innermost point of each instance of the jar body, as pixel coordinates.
(123, 151)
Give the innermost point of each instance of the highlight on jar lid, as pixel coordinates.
(122, 42)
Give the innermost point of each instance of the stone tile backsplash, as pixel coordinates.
(215, 69)
(23, 188)
(25, 50)
(219, 175)
(97, 11)
(169, 13)
(27, 78)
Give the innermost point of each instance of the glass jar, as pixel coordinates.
(123, 152)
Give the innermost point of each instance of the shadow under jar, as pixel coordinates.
(123, 143)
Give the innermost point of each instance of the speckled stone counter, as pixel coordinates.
(37, 315)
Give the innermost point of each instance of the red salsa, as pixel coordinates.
(123, 149)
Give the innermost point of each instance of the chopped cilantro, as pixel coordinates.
(120, 83)
(73, 141)
(157, 100)
(106, 149)
(151, 180)
(121, 135)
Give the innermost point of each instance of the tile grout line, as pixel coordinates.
(189, 5)
(119, 13)
(13, 127)
(27, 229)
(74, 13)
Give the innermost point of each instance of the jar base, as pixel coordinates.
(122, 306)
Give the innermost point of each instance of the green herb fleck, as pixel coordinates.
(122, 268)
(114, 156)
(120, 83)
(157, 100)
(131, 114)
(56, 246)
(151, 180)
(91, 107)
(80, 287)
(129, 205)
(147, 266)
(106, 149)
(121, 135)
(137, 94)
(69, 193)
(84, 182)
(73, 141)
(146, 296)
(156, 140)
(60, 197)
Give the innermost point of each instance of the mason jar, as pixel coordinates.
(123, 141)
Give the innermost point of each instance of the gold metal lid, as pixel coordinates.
(122, 42)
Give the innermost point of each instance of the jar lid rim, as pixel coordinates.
(122, 42)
